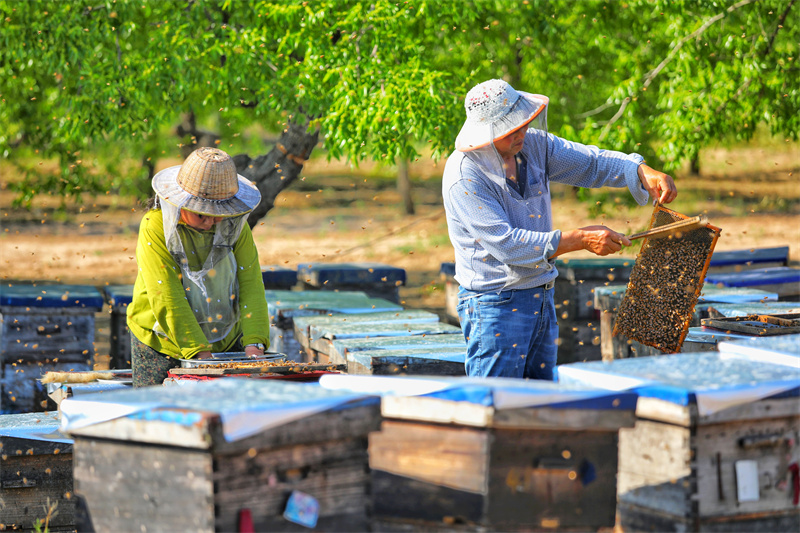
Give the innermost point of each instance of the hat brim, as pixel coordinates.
(165, 184)
(474, 136)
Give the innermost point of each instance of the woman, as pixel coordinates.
(199, 288)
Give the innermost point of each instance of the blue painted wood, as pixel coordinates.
(758, 277)
(677, 378)
(448, 269)
(782, 349)
(778, 254)
(397, 329)
(118, 296)
(753, 308)
(341, 348)
(278, 277)
(56, 295)
(418, 361)
(601, 268)
(300, 303)
(336, 274)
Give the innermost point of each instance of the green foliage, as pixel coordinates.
(93, 83)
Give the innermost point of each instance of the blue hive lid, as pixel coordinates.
(708, 379)
(351, 273)
(42, 295)
(119, 295)
(778, 254)
(750, 278)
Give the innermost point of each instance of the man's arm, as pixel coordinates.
(599, 240)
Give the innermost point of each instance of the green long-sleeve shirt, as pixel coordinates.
(158, 295)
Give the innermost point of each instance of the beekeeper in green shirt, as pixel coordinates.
(199, 288)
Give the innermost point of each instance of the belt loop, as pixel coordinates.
(550, 284)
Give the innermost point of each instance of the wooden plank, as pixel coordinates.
(453, 457)
(655, 468)
(340, 348)
(419, 361)
(294, 368)
(399, 329)
(153, 488)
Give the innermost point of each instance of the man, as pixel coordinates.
(496, 190)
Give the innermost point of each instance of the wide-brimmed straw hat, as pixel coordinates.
(494, 110)
(207, 183)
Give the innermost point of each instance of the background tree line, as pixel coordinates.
(98, 84)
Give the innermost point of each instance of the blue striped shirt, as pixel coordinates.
(503, 240)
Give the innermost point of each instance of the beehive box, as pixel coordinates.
(665, 284)
(375, 279)
(415, 361)
(748, 259)
(608, 300)
(713, 442)
(345, 349)
(43, 328)
(285, 306)
(35, 473)
(578, 319)
(277, 277)
(783, 280)
(753, 308)
(493, 454)
(783, 350)
(318, 333)
(447, 273)
(202, 456)
(118, 297)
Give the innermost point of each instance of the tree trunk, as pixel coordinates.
(694, 165)
(276, 170)
(404, 185)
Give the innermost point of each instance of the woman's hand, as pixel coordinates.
(204, 355)
(253, 351)
(659, 185)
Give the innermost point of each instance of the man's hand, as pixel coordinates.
(659, 185)
(601, 240)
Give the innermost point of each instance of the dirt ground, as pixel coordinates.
(754, 197)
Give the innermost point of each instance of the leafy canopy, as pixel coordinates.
(93, 83)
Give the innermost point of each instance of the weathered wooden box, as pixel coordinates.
(753, 308)
(213, 456)
(285, 306)
(783, 280)
(376, 279)
(493, 454)
(447, 273)
(35, 473)
(318, 333)
(607, 300)
(118, 297)
(578, 321)
(713, 444)
(43, 328)
(276, 277)
(415, 361)
(748, 259)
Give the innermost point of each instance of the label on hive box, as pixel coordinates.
(747, 481)
(302, 509)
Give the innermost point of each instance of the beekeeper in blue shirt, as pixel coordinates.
(496, 191)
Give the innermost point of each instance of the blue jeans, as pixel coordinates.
(512, 333)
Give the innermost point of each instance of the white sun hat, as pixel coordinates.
(494, 110)
(207, 183)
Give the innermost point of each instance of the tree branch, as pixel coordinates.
(648, 79)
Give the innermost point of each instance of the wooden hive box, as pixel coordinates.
(285, 306)
(782, 350)
(43, 328)
(412, 362)
(782, 280)
(748, 259)
(376, 279)
(447, 273)
(607, 300)
(493, 454)
(35, 471)
(318, 333)
(118, 298)
(276, 277)
(342, 349)
(713, 445)
(753, 308)
(214, 456)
